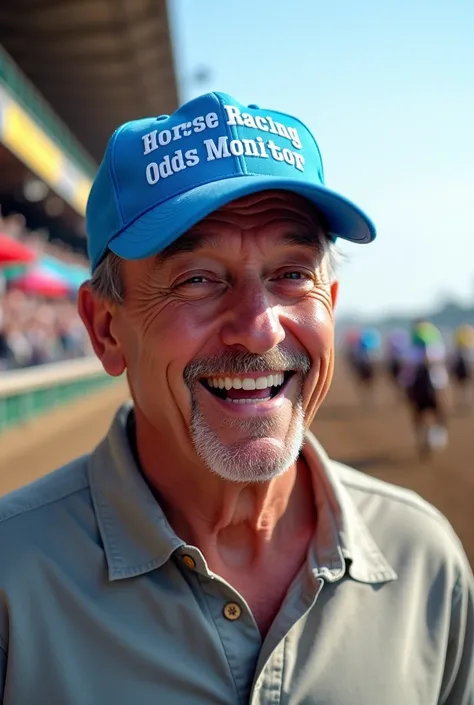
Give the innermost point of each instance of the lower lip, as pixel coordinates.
(253, 408)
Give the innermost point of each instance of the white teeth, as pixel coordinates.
(248, 383)
(248, 401)
(261, 383)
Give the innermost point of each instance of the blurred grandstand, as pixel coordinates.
(71, 71)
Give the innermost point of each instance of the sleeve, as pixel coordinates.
(458, 681)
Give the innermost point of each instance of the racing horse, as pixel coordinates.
(365, 361)
(425, 379)
(462, 365)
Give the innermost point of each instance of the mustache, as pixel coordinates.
(232, 363)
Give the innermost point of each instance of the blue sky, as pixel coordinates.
(388, 91)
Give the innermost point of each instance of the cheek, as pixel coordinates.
(180, 333)
(162, 343)
(313, 326)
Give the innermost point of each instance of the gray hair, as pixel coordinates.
(334, 258)
(107, 280)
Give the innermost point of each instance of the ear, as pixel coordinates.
(334, 293)
(97, 315)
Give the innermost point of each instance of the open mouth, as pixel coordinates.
(247, 390)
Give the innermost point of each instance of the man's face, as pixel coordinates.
(227, 336)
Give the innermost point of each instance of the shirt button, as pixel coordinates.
(189, 562)
(232, 611)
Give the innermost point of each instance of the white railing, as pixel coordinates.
(16, 382)
(34, 391)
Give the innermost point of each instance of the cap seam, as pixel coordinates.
(300, 122)
(112, 169)
(233, 131)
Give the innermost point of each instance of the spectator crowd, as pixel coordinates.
(35, 330)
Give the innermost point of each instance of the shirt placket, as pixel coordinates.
(257, 668)
(267, 687)
(234, 622)
(237, 630)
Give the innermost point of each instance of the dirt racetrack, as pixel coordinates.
(376, 440)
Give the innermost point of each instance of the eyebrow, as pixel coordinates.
(193, 241)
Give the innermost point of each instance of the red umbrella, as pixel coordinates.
(14, 252)
(42, 282)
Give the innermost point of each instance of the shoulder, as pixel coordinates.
(363, 486)
(412, 533)
(47, 490)
(29, 516)
(45, 527)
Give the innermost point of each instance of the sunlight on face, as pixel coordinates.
(231, 331)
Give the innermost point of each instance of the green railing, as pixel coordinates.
(23, 91)
(25, 394)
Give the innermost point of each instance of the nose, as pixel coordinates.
(253, 322)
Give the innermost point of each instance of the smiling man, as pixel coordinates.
(208, 551)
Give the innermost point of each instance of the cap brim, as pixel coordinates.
(161, 225)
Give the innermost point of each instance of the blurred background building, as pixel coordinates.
(70, 73)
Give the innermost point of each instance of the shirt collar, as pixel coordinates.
(137, 537)
(342, 538)
(135, 532)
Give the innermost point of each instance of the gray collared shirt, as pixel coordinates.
(101, 602)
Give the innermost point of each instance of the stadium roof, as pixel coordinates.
(98, 63)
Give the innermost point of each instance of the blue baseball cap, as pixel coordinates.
(161, 175)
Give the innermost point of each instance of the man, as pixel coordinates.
(208, 551)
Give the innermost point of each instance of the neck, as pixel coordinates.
(234, 524)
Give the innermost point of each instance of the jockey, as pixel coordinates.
(397, 343)
(425, 378)
(368, 352)
(462, 362)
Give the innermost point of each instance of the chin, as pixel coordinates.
(251, 458)
(258, 460)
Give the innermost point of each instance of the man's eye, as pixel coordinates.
(199, 286)
(198, 279)
(293, 275)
